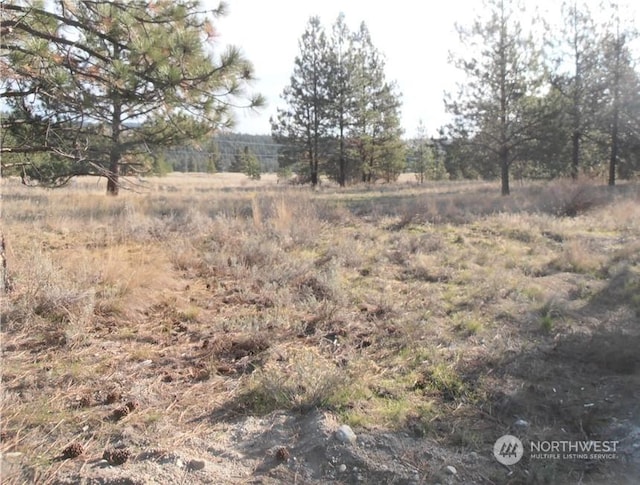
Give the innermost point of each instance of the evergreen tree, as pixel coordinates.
(95, 84)
(422, 157)
(578, 83)
(622, 97)
(341, 98)
(376, 126)
(302, 125)
(251, 164)
(496, 108)
(342, 117)
(245, 161)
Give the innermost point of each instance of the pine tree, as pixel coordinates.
(341, 99)
(94, 85)
(421, 154)
(302, 125)
(622, 113)
(251, 164)
(376, 126)
(579, 84)
(342, 116)
(497, 108)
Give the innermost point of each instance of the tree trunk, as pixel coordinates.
(504, 172)
(575, 155)
(113, 182)
(343, 163)
(614, 148)
(4, 277)
(615, 116)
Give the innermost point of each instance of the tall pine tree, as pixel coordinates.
(94, 85)
(303, 125)
(342, 116)
(496, 107)
(376, 126)
(621, 116)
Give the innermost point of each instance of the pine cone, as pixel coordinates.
(112, 397)
(283, 453)
(84, 402)
(121, 412)
(132, 405)
(116, 457)
(72, 451)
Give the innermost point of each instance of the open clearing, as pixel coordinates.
(211, 329)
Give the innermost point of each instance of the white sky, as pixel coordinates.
(414, 36)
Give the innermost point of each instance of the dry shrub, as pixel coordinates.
(43, 288)
(428, 268)
(623, 213)
(299, 378)
(570, 198)
(48, 301)
(576, 257)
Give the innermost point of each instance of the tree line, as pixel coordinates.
(224, 152)
(547, 103)
(119, 87)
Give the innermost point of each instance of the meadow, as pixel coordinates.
(432, 319)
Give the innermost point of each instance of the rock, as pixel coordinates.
(521, 424)
(451, 470)
(195, 465)
(342, 468)
(345, 434)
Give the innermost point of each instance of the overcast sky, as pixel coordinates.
(415, 38)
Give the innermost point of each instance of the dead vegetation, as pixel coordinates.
(440, 313)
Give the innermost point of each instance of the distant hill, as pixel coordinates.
(218, 154)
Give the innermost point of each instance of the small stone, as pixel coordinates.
(195, 465)
(12, 454)
(521, 424)
(451, 470)
(342, 468)
(179, 463)
(345, 434)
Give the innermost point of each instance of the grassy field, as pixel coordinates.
(442, 313)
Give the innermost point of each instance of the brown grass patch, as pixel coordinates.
(440, 311)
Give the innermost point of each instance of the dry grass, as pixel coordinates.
(424, 309)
